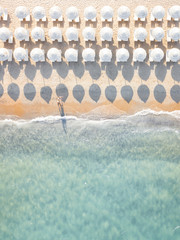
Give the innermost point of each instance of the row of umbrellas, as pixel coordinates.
(88, 55)
(90, 13)
(106, 34)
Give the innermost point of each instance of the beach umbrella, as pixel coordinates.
(37, 54)
(19, 54)
(72, 13)
(174, 54)
(158, 33)
(105, 55)
(88, 55)
(55, 12)
(123, 12)
(37, 33)
(71, 55)
(174, 12)
(157, 54)
(21, 33)
(38, 12)
(54, 54)
(107, 12)
(139, 54)
(122, 55)
(158, 12)
(174, 33)
(72, 34)
(90, 13)
(123, 33)
(4, 54)
(1, 11)
(4, 33)
(89, 34)
(141, 12)
(106, 34)
(21, 12)
(140, 34)
(55, 34)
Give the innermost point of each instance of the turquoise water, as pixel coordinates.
(80, 179)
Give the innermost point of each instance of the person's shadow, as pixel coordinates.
(63, 119)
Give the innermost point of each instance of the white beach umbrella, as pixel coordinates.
(107, 12)
(89, 34)
(4, 54)
(141, 12)
(90, 13)
(174, 11)
(1, 11)
(19, 54)
(55, 33)
(122, 55)
(55, 12)
(158, 12)
(139, 54)
(37, 33)
(37, 54)
(123, 33)
(88, 55)
(105, 55)
(71, 55)
(158, 33)
(38, 12)
(72, 34)
(72, 13)
(106, 34)
(54, 54)
(174, 33)
(123, 12)
(21, 12)
(174, 54)
(21, 33)
(157, 54)
(140, 34)
(4, 33)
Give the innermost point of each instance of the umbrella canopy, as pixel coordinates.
(37, 54)
(122, 55)
(21, 12)
(38, 12)
(141, 12)
(158, 12)
(54, 54)
(158, 33)
(107, 12)
(72, 13)
(37, 33)
(55, 33)
(139, 54)
(157, 54)
(19, 54)
(1, 11)
(123, 33)
(123, 12)
(89, 33)
(174, 33)
(106, 34)
(174, 54)
(174, 11)
(4, 33)
(90, 13)
(140, 34)
(71, 55)
(55, 12)
(72, 34)
(21, 33)
(88, 55)
(105, 55)
(4, 54)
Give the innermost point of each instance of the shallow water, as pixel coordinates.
(91, 180)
